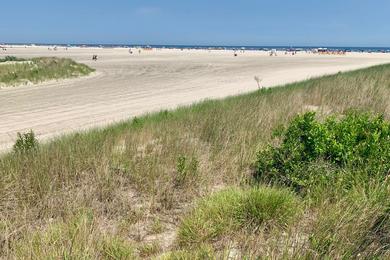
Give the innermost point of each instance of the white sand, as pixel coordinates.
(128, 85)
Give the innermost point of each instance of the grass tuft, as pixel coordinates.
(233, 209)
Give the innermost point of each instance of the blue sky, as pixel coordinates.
(203, 22)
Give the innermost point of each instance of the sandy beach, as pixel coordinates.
(126, 85)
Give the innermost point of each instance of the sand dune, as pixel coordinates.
(128, 85)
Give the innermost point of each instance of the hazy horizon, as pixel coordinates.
(185, 45)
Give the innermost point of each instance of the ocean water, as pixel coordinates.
(222, 47)
(280, 48)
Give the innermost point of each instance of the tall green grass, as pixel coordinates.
(155, 167)
(228, 211)
(39, 69)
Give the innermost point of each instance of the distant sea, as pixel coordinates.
(222, 47)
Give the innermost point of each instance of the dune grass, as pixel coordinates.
(74, 239)
(228, 211)
(22, 71)
(158, 166)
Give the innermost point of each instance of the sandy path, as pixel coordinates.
(128, 85)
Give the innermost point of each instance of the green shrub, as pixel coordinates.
(233, 209)
(26, 142)
(358, 143)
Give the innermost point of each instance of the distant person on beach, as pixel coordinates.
(94, 57)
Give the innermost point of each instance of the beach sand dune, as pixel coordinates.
(127, 85)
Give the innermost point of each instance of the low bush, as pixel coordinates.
(26, 142)
(233, 209)
(311, 151)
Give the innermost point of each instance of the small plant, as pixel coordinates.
(26, 142)
(185, 168)
(137, 122)
(181, 166)
(157, 226)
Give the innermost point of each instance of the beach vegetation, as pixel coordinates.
(11, 58)
(356, 143)
(18, 71)
(25, 142)
(293, 172)
(228, 211)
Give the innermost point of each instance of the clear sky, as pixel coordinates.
(202, 22)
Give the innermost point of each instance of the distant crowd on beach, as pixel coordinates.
(236, 51)
(326, 51)
(278, 50)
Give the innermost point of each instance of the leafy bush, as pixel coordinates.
(233, 209)
(358, 142)
(11, 58)
(26, 142)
